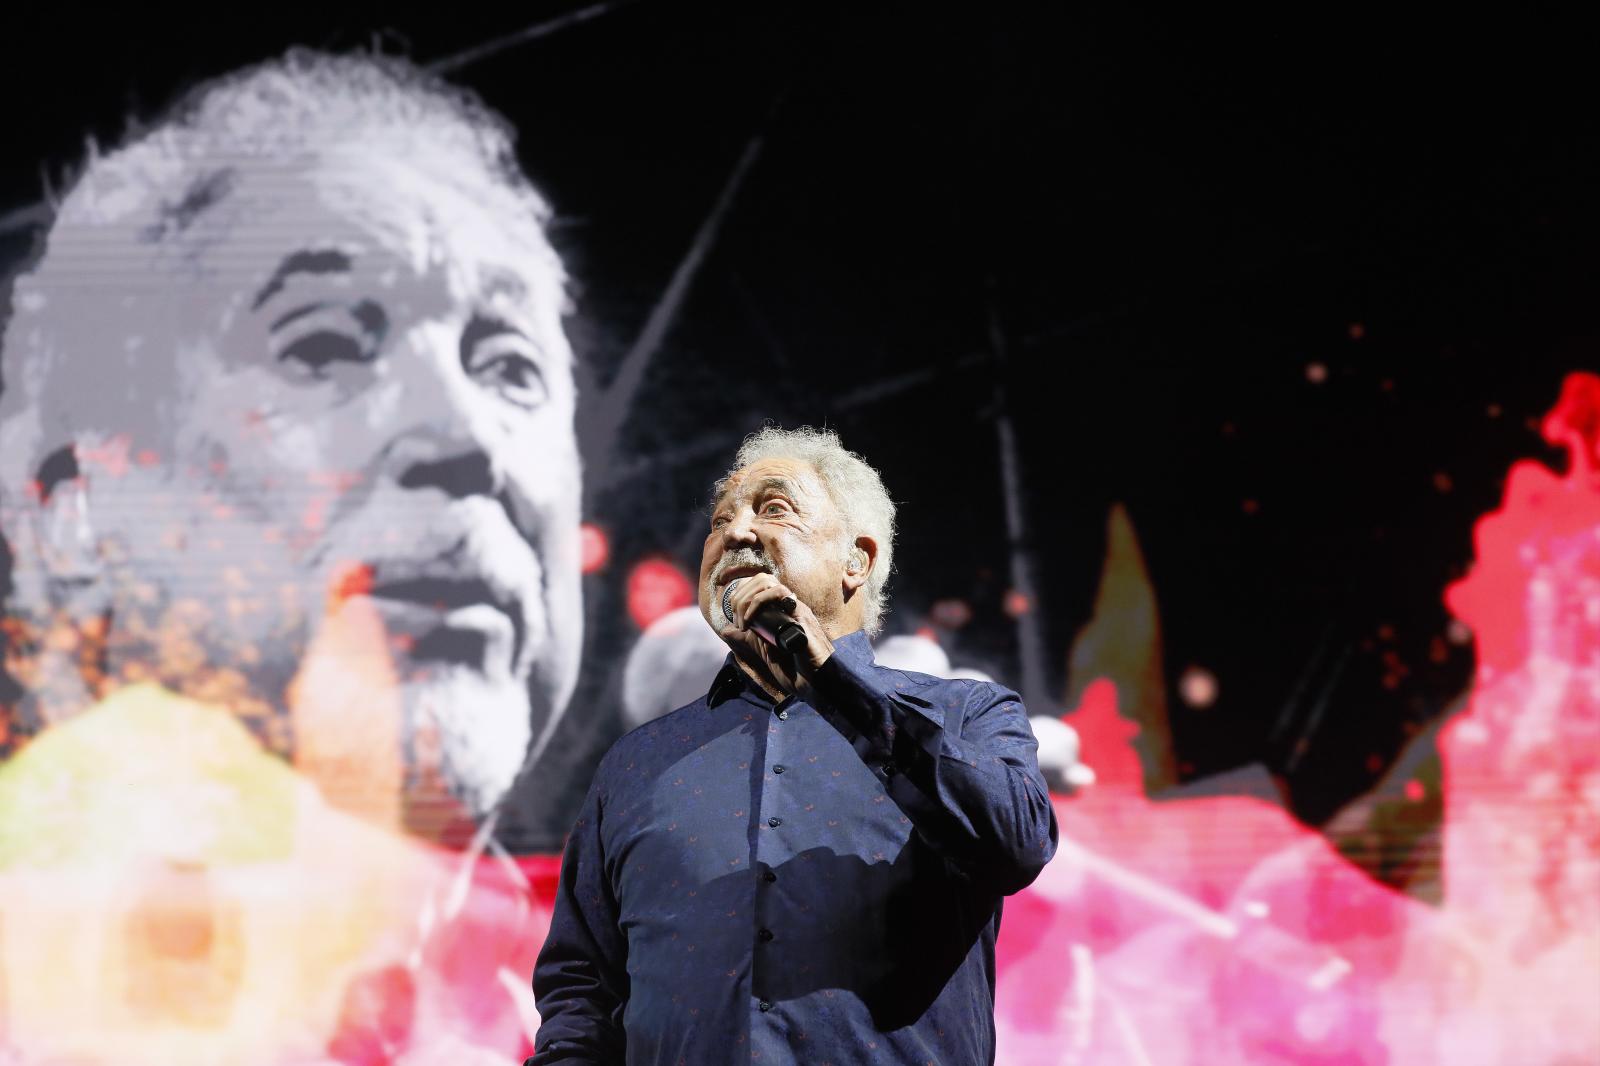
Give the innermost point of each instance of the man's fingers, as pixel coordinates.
(750, 604)
(747, 588)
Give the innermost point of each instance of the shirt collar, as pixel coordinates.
(853, 648)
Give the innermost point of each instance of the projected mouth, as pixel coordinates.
(457, 616)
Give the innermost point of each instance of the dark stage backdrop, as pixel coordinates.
(1230, 379)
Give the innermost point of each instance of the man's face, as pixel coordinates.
(775, 516)
(370, 414)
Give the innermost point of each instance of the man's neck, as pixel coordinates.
(760, 678)
(779, 688)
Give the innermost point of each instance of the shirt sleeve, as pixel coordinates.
(580, 979)
(959, 759)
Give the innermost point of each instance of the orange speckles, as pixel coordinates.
(315, 514)
(110, 456)
(336, 481)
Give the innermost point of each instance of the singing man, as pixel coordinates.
(808, 863)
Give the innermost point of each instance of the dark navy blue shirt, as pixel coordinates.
(816, 881)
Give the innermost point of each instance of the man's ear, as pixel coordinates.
(67, 544)
(859, 561)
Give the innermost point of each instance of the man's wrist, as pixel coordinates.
(819, 649)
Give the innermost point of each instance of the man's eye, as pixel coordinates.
(506, 363)
(315, 352)
(308, 342)
(774, 507)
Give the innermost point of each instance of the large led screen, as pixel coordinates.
(362, 387)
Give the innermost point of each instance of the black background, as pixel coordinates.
(1167, 222)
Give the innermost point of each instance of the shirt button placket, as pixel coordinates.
(765, 935)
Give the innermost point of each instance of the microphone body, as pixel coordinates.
(771, 622)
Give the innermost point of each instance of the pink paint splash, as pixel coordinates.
(594, 548)
(1218, 930)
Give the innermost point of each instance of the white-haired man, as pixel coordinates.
(806, 864)
(290, 374)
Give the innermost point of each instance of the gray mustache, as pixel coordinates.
(742, 557)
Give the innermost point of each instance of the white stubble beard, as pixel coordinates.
(473, 731)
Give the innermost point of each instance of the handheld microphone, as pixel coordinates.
(771, 622)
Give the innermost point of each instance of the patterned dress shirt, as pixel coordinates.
(815, 881)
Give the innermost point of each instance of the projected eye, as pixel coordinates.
(505, 361)
(308, 343)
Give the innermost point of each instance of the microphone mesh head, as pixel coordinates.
(727, 598)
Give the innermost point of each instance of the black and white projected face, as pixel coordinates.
(326, 395)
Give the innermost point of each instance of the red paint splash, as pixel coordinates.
(655, 587)
(1215, 929)
(349, 580)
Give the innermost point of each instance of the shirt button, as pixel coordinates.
(769, 876)
(774, 822)
(783, 716)
(764, 1005)
(780, 768)
(765, 935)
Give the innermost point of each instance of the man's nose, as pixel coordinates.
(437, 439)
(456, 464)
(741, 529)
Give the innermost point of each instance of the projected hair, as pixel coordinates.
(855, 488)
